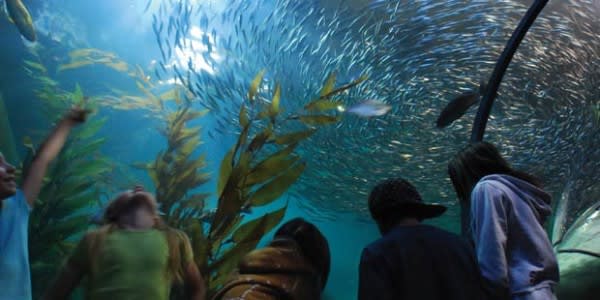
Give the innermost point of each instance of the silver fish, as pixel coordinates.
(369, 108)
(544, 112)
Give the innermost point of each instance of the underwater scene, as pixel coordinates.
(240, 115)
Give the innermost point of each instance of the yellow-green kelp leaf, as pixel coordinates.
(200, 245)
(328, 86)
(275, 188)
(275, 100)
(92, 168)
(322, 105)
(246, 238)
(232, 197)
(244, 121)
(345, 87)
(37, 66)
(120, 66)
(74, 65)
(319, 119)
(89, 129)
(272, 165)
(260, 139)
(229, 261)
(84, 149)
(73, 187)
(78, 96)
(271, 168)
(294, 137)
(88, 53)
(257, 228)
(225, 171)
(254, 85)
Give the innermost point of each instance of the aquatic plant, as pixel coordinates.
(258, 170)
(62, 209)
(176, 172)
(147, 99)
(7, 141)
(70, 188)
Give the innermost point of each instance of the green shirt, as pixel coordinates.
(130, 265)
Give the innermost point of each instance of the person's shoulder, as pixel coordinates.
(180, 235)
(375, 248)
(445, 235)
(19, 200)
(397, 238)
(18, 195)
(489, 181)
(488, 187)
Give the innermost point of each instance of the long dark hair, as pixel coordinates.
(476, 161)
(313, 244)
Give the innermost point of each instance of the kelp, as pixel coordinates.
(151, 97)
(89, 56)
(62, 208)
(176, 171)
(7, 140)
(71, 186)
(256, 171)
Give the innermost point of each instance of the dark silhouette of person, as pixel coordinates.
(413, 260)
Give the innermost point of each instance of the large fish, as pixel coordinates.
(20, 15)
(459, 106)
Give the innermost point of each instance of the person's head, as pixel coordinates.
(8, 184)
(139, 209)
(476, 161)
(394, 201)
(313, 244)
(135, 207)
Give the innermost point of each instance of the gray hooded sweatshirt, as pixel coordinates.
(513, 249)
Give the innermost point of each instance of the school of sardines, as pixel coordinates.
(418, 56)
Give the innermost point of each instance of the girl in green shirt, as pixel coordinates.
(133, 256)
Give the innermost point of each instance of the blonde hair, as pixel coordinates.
(125, 203)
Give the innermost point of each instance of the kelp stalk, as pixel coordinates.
(492, 87)
(485, 106)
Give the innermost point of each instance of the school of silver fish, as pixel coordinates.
(419, 55)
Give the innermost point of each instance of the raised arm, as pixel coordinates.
(48, 152)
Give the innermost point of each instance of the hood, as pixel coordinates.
(534, 196)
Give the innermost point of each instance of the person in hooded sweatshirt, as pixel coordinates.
(508, 209)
